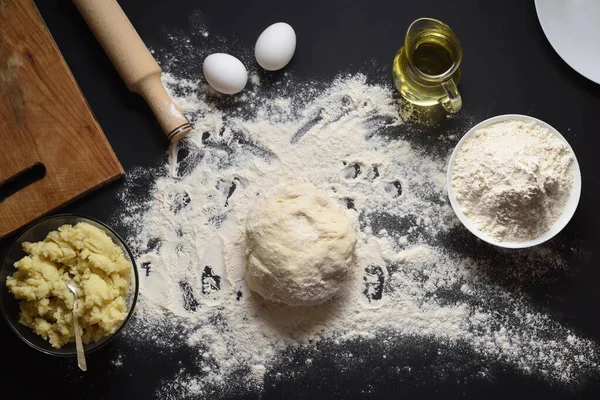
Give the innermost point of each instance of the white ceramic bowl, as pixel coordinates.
(560, 223)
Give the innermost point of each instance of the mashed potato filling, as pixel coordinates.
(86, 254)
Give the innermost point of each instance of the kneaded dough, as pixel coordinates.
(94, 262)
(299, 245)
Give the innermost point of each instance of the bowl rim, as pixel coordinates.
(135, 277)
(562, 220)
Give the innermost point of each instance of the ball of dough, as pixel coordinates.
(299, 245)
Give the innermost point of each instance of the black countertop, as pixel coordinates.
(508, 67)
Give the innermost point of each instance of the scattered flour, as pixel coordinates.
(414, 278)
(512, 179)
(118, 361)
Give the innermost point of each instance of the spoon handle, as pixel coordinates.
(78, 344)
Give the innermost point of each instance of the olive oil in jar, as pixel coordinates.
(426, 70)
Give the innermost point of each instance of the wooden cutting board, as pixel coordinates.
(44, 119)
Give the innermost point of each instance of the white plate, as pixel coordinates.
(560, 223)
(573, 29)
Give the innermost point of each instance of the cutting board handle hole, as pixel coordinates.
(21, 180)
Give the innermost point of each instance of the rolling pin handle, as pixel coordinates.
(171, 119)
(135, 64)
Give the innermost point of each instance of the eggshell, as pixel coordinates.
(275, 46)
(225, 73)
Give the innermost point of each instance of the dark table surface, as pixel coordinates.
(508, 67)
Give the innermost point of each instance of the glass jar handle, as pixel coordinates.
(452, 102)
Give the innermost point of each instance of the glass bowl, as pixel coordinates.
(10, 305)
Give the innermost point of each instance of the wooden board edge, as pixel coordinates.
(119, 168)
(106, 182)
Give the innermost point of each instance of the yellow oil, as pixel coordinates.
(433, 57)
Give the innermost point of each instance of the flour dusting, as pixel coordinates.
(414, 283)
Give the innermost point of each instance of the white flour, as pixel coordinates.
(512, 179)
(413, 287)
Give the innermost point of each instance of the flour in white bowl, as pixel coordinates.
(512, 179)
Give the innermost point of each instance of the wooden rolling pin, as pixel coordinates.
(134, 62)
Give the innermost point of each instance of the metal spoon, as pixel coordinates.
(73, 287)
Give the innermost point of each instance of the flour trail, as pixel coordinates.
(414, 284)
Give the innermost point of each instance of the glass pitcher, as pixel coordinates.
(427, 69)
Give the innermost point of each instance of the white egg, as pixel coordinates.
(225, 73)
(275, 46)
